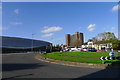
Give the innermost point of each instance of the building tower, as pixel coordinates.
(68, 40)
(75, 40)
(81, 39)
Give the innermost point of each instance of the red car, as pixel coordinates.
(100, 51)
(81, 51)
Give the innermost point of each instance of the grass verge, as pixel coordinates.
(85, 57)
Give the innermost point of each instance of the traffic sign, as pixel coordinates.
(110, 58)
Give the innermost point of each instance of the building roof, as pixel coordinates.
(15, 42)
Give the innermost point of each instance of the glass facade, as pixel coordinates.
(14, 44)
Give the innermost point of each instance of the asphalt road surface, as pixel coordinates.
(26, 66)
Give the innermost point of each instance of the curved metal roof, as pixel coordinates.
(15, 42)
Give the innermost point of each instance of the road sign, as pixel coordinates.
(110, 58)
(111, 54)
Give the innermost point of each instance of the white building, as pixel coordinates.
(106, 46)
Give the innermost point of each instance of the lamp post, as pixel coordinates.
(51, 44)
(32, 42)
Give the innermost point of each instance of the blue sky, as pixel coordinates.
(51, 21)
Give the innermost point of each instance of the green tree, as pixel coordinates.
(89, 40)
(94, 39)
(105, 36)
(115, 43)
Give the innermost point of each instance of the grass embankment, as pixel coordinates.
(87, 57)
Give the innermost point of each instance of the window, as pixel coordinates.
(90, 44)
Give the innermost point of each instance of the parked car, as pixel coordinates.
(119, 51)
(75, 49)
(101, 51)
(82, 51)
(72, 50)
(91, 50)
(64, 50)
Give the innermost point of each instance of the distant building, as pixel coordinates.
(75, 40)
(91, 44)
(17, 45)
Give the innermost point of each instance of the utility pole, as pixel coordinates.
(32, 42)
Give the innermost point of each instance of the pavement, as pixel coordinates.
(26, 66)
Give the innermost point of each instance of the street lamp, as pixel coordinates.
(51, 44)
(32, 42)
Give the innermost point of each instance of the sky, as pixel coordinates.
(51, 21)
(60, 0)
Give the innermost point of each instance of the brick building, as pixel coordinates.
(75, 40)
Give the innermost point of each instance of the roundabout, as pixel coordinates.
(65, 59)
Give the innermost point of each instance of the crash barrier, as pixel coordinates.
(109, 58)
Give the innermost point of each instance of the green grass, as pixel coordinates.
(89, 57)
(88, 54)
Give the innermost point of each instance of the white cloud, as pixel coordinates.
(47, 35)
(16, 11)
(16, 23)
(91, 27)
(45, 27)
(51, 29)
(115, 8)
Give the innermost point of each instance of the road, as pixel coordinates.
(26, 66)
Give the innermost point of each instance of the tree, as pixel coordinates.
(105, 36)
(94, 39)
(56, 47)
(89, 40)
(115, 43)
